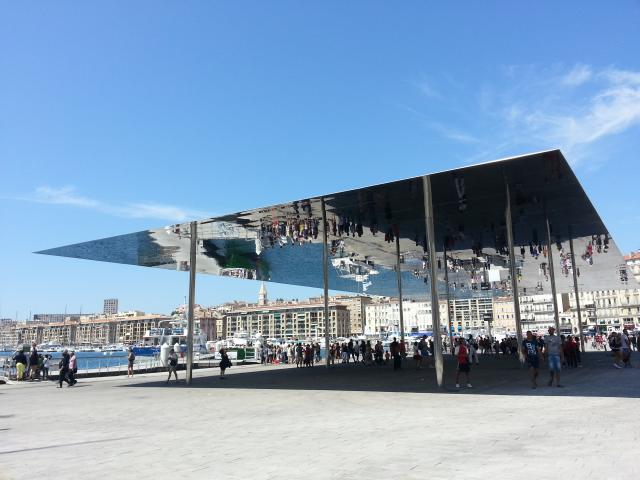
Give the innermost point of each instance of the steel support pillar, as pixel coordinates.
(435, 307)
(399, 278)
(325, 280)
(448, 293)
(575, 288)
(513, 271)
(192, 298)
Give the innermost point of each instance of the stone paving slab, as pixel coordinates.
(345, 422)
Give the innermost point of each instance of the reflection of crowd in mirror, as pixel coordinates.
(601, 246)
(342, 225)
(244, 273)
(288, 232)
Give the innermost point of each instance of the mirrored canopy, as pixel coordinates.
(283, 243)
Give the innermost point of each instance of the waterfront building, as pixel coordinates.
(110, 306)
(89, 330)
(289, 321)
(471, 314)
(384, 316)
(8, 333)
(504, 315)
(537, 312)
(356, 305)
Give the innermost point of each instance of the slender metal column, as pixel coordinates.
(512, 269)
(192, 298)
(325, 280)
(399, 277)
(575, 288)
(446, 281)
(556, 314)
(435, 306)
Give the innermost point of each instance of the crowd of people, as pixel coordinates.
(32, 365)
(556, 351)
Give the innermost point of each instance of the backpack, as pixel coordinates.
(614, 342)
(463, 354)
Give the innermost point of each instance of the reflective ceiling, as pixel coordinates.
(283, 243)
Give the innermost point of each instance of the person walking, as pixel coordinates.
(625, 348)
(172, 363)
(462, 355)
(531, 348)
(394, 349)
(33, 362)
(45, 367)
(615, 342)
(21, 364)
(553, 350)
(224, 363)
(131, 358)
(73, 369)
(63, 371)
(472, 345)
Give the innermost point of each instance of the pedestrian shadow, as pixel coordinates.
(494, 376)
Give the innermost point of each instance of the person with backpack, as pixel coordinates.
(462, 355)
(63, 369)
(172, 363)
(224, 363)
(615, 344)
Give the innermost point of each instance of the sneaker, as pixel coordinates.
(457, 385)
(616, 365)
(468, 385)
(560, 386)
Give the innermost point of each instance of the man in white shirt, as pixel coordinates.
(553, 351)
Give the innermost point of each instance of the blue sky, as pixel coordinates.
(117, 117)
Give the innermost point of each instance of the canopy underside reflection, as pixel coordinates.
(283, 243)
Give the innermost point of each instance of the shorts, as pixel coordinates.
(533, 361)
(463, 367)
(554, 363)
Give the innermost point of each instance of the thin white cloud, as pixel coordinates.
(612, 106)
(537, 108)
(577, 76)
(67, 196)
(452, 133)
(62, 196)
(427, 89)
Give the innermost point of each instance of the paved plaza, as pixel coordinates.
(348, 421)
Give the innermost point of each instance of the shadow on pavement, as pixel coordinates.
(63, 445)
(494, 376)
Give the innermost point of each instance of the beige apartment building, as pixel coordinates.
(126, 328)
(356, 305)
(289, 321)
